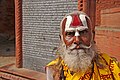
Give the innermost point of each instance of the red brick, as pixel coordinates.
(110, 17)
(104, 4)
(108, 42)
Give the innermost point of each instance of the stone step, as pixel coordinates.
(10, 72)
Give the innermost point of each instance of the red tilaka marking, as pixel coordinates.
(76, 21)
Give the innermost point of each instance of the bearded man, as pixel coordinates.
(78, 57)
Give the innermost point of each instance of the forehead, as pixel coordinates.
(76, 21)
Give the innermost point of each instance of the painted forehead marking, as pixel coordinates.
(83, 19)
(76, 21)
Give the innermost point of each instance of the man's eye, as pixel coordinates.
(83, 32)
(70, 33)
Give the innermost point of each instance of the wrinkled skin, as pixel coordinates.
(76, 32)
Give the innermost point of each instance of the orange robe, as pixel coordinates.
(111, 71)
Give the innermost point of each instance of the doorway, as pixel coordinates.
(7, 32)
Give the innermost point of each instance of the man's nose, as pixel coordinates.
(77, 40)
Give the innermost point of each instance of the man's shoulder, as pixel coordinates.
(53, 69)
(105, 56)
(57, 61)
(109, 59)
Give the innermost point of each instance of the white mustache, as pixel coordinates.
(81, 45)
(72, 46)
(84, 46)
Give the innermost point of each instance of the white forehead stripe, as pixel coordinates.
(83, 19)
(68, 22)
(77, 33)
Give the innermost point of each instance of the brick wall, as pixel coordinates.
(108, 27)
(104, 4)
(41, 20)
(7, 19)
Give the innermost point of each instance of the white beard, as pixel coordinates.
(77, 60)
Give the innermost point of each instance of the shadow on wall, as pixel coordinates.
(7, 28)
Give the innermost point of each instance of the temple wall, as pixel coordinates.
(108, 27)
(41, 20)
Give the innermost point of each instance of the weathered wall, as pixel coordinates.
(7, 26)
(41, 20)
(104, 4)
(108, 27)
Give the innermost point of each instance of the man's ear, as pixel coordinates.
(93, 31)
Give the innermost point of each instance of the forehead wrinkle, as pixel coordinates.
(80, 28)
(70, 29)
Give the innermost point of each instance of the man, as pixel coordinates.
(78, 58)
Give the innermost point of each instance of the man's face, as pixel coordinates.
(77, 48)
(77, 31)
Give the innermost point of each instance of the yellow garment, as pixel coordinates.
(111, 71)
